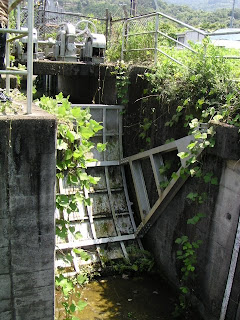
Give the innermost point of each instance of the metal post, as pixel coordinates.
(7, 65)
(107, 22)
(30, 56)
(18, 17)
(232, 16)
(123, 39)
(156, 38)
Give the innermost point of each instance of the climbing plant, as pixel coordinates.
(75, 128)
(197, 97)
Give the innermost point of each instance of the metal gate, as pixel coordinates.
(107, 224)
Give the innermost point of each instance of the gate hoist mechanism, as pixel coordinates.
(92, 48)
(66, 47)
(20, 47)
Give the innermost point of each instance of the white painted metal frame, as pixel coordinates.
(105, 163)
(29, 71)
(150, 214)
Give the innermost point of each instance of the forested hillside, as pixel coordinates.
(203, 19)
(206, 4)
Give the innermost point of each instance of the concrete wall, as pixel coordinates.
(27, 176)
(222, 208)
(217, 230)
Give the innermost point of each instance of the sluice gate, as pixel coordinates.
(108, 224)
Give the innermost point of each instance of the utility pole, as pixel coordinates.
(133, 10)
(232, 17)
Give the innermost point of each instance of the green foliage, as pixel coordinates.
(219, 18)
(139, 261)
(75, 128)
(122, 82)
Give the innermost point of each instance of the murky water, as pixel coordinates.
(115, 298)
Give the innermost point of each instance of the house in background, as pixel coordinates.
(187, 36)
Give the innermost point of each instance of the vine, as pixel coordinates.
(199, 94)
(75, 128)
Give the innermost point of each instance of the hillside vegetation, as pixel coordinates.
(207, 5)
(203, 19)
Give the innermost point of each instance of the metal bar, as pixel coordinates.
(104, 140)
(168, 147)
(167, 55)
(139, 33)
(169, 18)
(123, 38)
(30, 56)
(109, 189)
(182, 23)
(107, 23)
(156, 38)
(18, 17)
(140, 188)
(120, 134)
(15, 71)
(161, 204)
(90, 242)
(15, 38)
(96, 106)
(129, 205)
(102, 164)
(156, 163)
(6, 30)
(182, 44)
(92, 226)
(231, 273)
(142, 16)
(113, 213)
(7, 66)
(143, 49)
(71, 14)
(222, 33)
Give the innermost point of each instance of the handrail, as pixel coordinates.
(157, 32)
(21, 33)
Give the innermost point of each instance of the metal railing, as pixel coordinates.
(19, 33)
(148, 26)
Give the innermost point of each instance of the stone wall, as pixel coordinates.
(27, 202)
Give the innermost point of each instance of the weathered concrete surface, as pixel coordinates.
(217, 230)
(27, 175)
(85, 83)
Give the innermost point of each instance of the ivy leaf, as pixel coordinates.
(61, 145)
(70, 136)
(82, 278)
(86, 132)
(81, 305)
(101, 147)
(208, 177)
(183, 155)
(72, 307)
(78, 235)
(217, 117)
(214, 181)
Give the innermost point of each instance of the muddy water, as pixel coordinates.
(115, 298)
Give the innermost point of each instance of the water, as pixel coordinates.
(115, 298)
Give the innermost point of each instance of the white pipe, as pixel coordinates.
(231, 273)
(30, 56)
